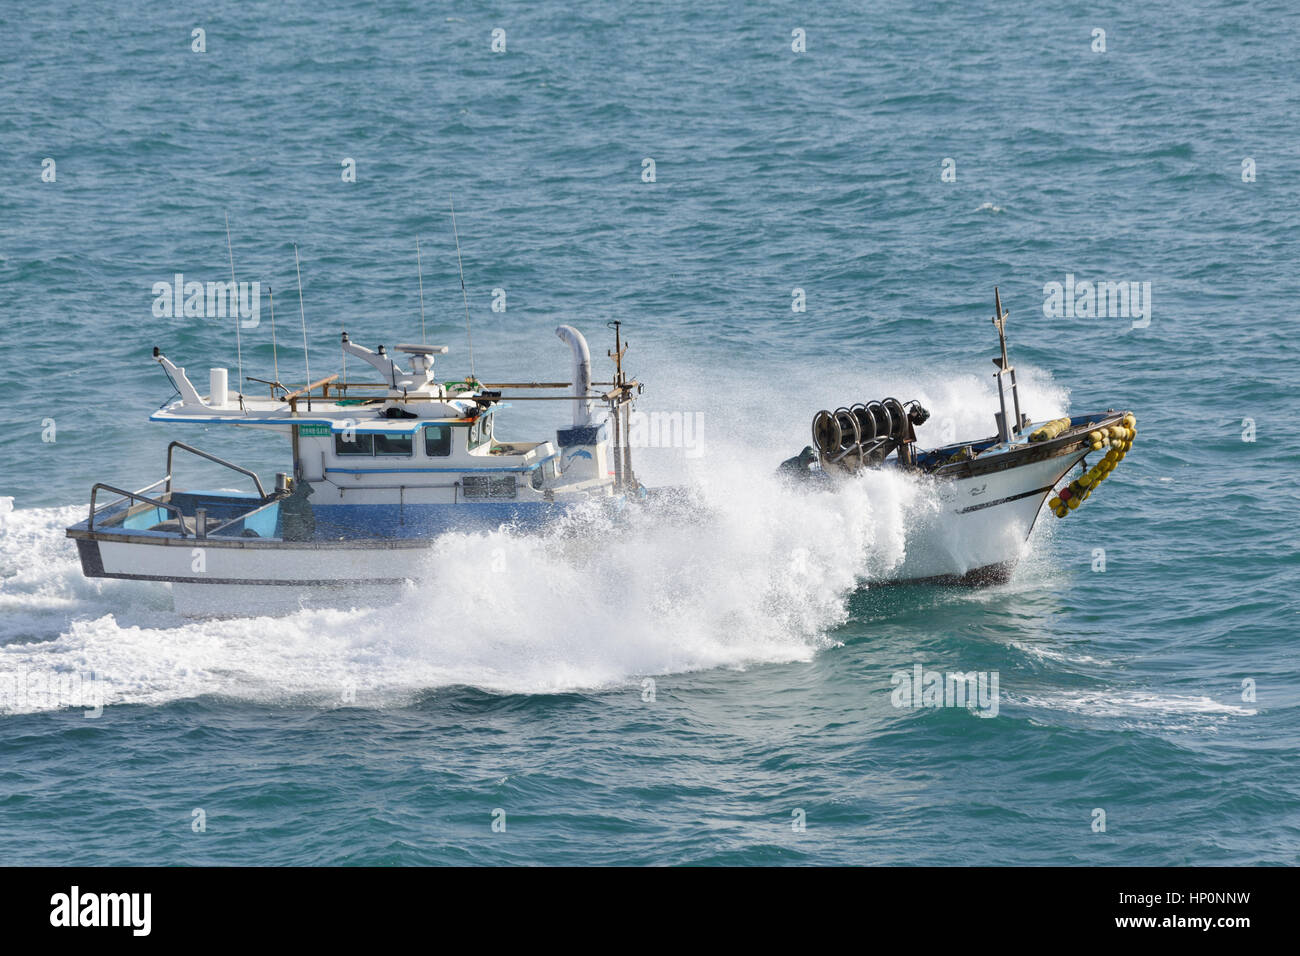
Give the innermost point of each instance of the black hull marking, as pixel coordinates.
(1002, 501)
(92, 563)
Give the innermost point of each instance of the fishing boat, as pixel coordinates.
(989, 492)
(381, 469)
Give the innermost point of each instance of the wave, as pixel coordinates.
(749, 573)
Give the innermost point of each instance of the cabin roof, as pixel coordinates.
(338, 418)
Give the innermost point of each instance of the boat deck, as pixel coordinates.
(986, 450)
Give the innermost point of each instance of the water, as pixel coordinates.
(391, 735)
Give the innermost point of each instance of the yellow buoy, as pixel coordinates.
(1073, 503)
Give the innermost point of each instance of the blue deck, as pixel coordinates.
(332, 522)
(221, 507)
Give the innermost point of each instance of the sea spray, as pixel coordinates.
(749, 572)
(744, 570)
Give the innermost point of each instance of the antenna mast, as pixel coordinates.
(1005, 428)
(623, 476)
(239, 348)
(306, 361)
(275, 357)
(463, 294)
(419, 267)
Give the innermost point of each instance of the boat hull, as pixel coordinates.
(984, 510)
(974, 537)
(981, 528)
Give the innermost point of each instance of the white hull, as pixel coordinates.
(984, 523)
(392, 471)
(976, 536)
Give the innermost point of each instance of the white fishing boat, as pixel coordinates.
(381, 470)
(989, 492)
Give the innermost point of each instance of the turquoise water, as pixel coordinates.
(392, 734)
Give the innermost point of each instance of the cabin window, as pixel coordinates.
(350, 443)
(371, 444)
(393, 445)
(437, 441)
(480, 431)
(481, 486)
(544, 470)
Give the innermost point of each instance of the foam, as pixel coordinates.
(748, 573)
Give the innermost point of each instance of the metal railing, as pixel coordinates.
(206, 532)
(166, 481)
(213, 458)
(136, 496)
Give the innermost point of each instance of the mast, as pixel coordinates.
(419, 268)
(275, 355)
(239, 348)
(623, 476)
(469, 336)
(1005, 428)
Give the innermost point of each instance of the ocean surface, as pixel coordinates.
(720, 693)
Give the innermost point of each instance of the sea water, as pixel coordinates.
(832, 194)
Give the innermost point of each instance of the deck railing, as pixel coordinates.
(210, 457)
(135, 496)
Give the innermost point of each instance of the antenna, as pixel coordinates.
(239, 348)
(622, 422)
(420, 269)
(1000, 322)
(1005, 428)
(275, 357)
(306, 363)
(463, 294)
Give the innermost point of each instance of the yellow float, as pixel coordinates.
(1117, 439)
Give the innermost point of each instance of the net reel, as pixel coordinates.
(863, 435)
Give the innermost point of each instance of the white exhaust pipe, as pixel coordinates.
(218, 386)
(581, 374)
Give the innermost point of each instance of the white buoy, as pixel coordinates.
(217, 386)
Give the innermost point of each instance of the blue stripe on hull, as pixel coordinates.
(410, 521)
